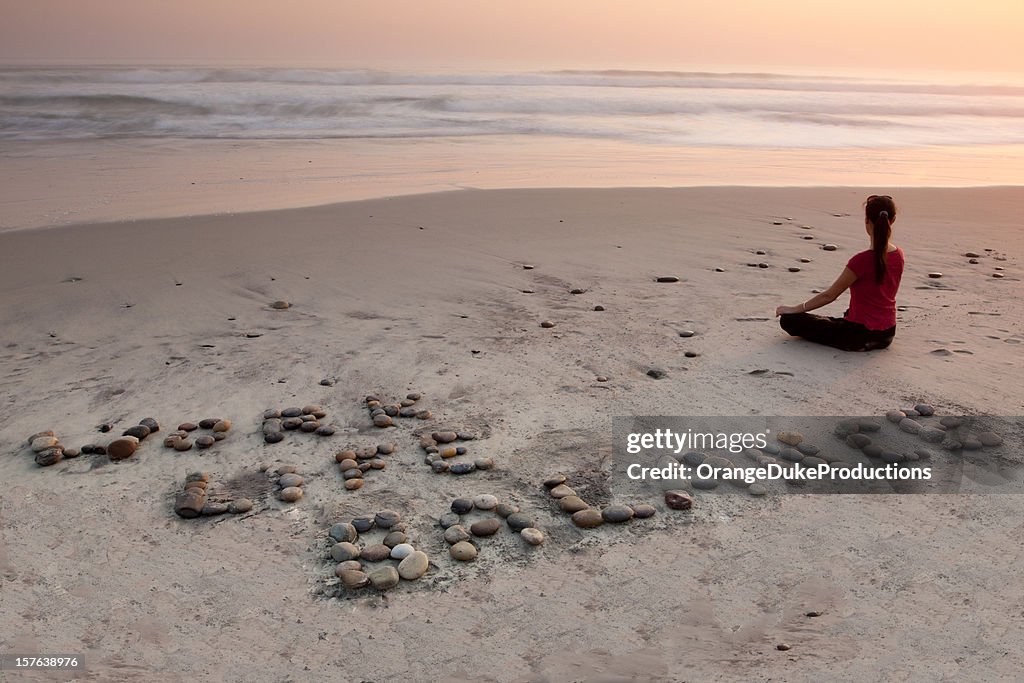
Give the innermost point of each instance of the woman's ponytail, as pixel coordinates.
(880, 212)
(881, 231)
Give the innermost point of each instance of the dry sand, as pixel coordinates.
(170, 318)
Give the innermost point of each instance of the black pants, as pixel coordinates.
(838, 333)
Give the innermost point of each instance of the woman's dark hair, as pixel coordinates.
(880, 211)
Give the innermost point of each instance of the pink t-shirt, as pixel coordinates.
(873, 304)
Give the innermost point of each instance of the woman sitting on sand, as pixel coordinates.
(872, 276)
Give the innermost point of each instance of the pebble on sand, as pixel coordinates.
(829, 247)
(353, 578)
(657, 373)
(547, 324)
(910, 426)
(857, 441)
(790, 438)
(518, 521)
(382, 421)
(375, 553)
(990, 439)
(678, 500)
(572, 504)
(140, 432)
(122, 448)
(280, 305)
(189, 503)
(895, 416)
(757, 489)
(344, 551)
(49, 456)
(239, 506)
(463, 551)
(935, 275)
(667, 278)
(644, 510)
(485, 527)
(455, 534)
(205, 441)
(212, 509)
(290, 479)
(385, 519)
(290, 494)
(485, 502)
(504, 510)
(42, 442)
(414, 565)
(532, 535)
(554, 481)
(617, 514)
(384, 578)
(342, 531)
(588, 519)
(395, 538)
(561, 491)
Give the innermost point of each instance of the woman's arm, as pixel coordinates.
(842, 283)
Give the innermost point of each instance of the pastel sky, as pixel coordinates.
(963, 35)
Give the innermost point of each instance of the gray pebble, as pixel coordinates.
(910, 426)
(290, 479)
(385, 519)
(617, 514)
(518, 521)
(343, 531)
(807, 448)
(362, 524)
(448, 519)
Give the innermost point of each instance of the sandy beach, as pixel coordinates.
(172, 318)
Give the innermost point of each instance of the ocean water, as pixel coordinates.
(114, 143)
(666, 109)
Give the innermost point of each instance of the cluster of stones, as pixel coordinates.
(351, 570)
(586, 517)
(125, 446)
(289, 484)
(181, 440)
(440, 450)
(463, 546)
(305, 419)
(949, 433)
(193, 500)
(356, 463)
(854, 432)
(382, 415)
(721, 466)
(49, 450)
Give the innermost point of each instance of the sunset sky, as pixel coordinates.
(976, 35)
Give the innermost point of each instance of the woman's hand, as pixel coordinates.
(786, 310)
